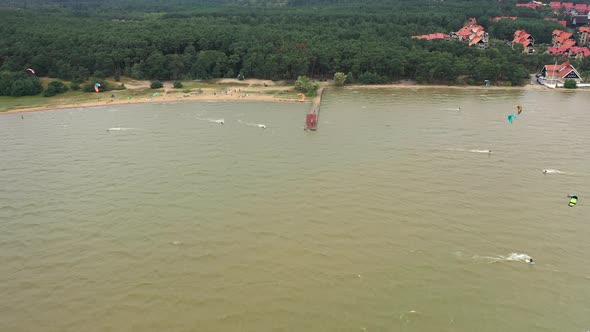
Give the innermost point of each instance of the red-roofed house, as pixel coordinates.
(555, 5)
(462, 34)
(472, 32)
(579, 52)
(557, 50)
(563, 23)
(562, 42)
(526, 40)
(556, 33)
(581, 8)
(559, 73)
(567, 5)
(559, 36)
(568, 43)
(584, 32)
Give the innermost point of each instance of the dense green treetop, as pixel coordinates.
(273, 39)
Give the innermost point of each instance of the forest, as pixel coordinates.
(273, 39)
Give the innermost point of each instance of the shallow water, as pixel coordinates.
(391, 217)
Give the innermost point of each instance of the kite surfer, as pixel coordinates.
(573, 200)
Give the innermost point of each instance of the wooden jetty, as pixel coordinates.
(313, 116)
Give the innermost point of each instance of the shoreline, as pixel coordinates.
(160, 100)
(247, 93)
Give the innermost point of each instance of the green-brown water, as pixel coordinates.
(385, 219)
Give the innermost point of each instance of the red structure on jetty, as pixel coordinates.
(311, 121)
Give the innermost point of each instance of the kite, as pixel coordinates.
(97, 87)
(31, 70)
(511, 117)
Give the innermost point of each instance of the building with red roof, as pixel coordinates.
(569, 8)
(558, 37)
(562, 43)
(583, 32)
(557, 50)
(578, 52)
(568, 43)
(472, 32)
(581, 8)
(526, 40)
(555, 5)
(559, 73)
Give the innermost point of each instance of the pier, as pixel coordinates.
(313, 116)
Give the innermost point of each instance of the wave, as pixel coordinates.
(552, 171)
(119, 129)
(472, 150)
(512, 257)
(259, 125)
(405, 316)
(220, 121)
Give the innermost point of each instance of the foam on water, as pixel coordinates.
(119, 129)
(406, 315)
(259, 125)
(220, 121)
(552, 171)
(512, 257)
(471, 150)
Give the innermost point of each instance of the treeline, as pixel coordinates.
(19, 84)
(279, 40)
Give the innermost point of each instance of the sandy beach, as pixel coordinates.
(138, 92)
